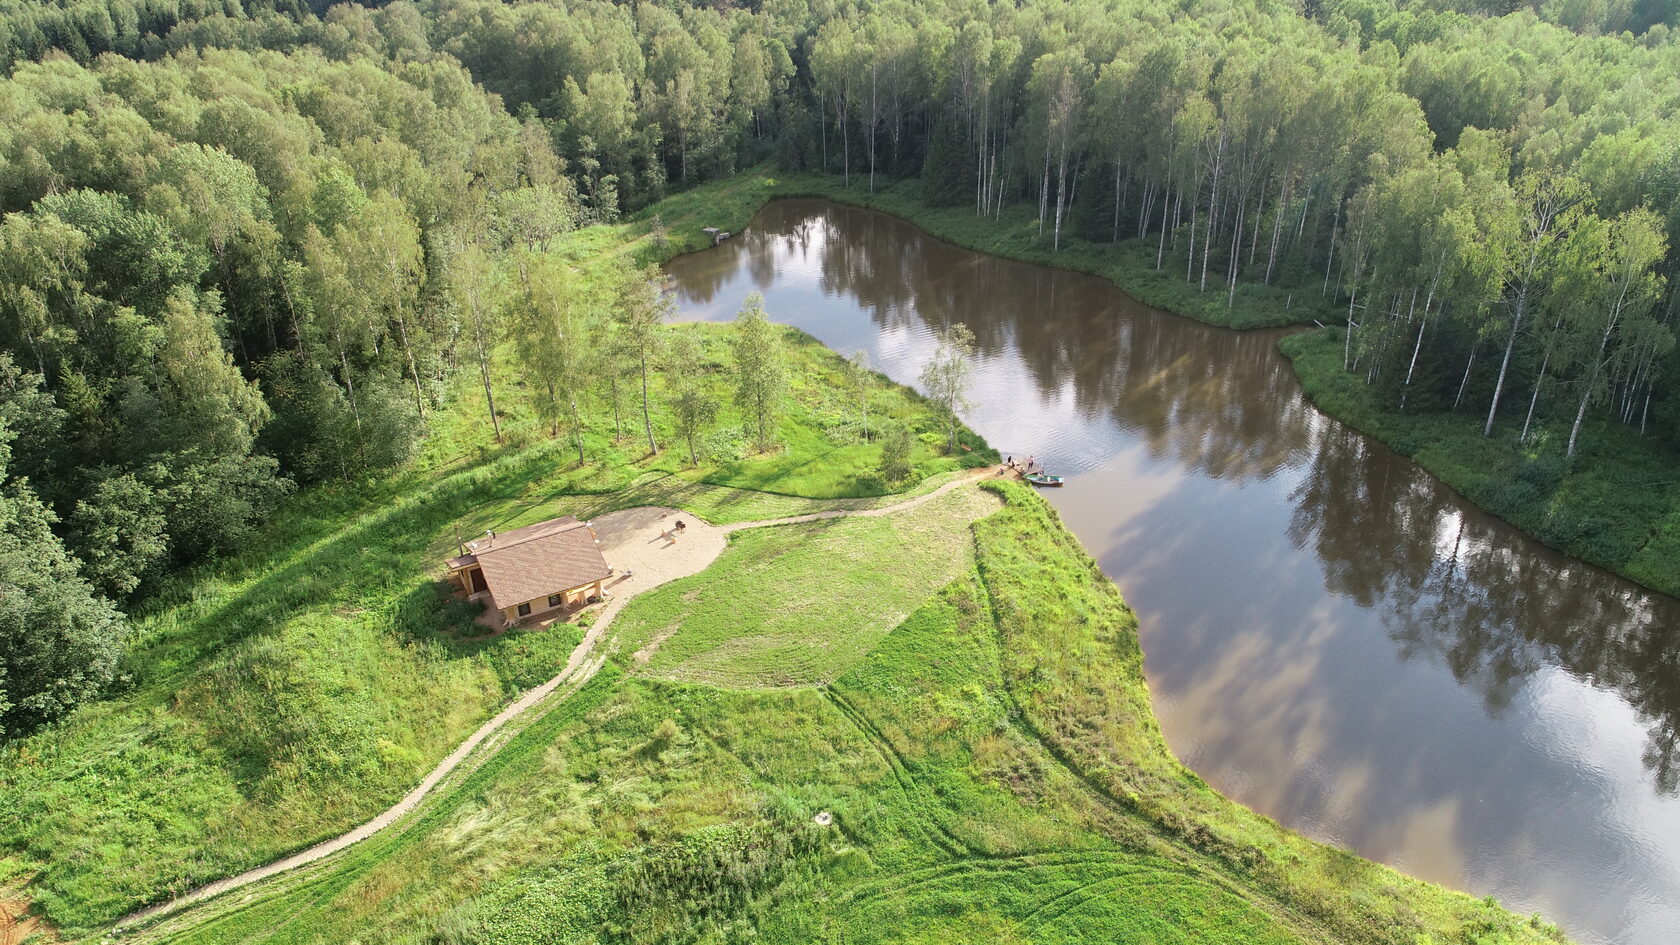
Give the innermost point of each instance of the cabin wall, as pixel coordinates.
(568, 598)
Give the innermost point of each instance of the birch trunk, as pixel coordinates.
(1213, 206)
(647, 416)
(1161, 246)
(413, 371)
(1468, 364)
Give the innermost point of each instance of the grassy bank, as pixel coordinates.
(965, 699)
(1616, 504)
(279, 697)
(991, 765)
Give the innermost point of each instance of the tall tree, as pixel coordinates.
(1617, 317)
(693, 406)
(473, 286)
(860, 377)
(639, 313)
(834, 67)
(760, 370)
(384, 245)
(1547, 205)
(948, 376)
(555, 328)
(1057, 89)
(59, 641)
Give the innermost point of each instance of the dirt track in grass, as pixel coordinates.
(645, 548)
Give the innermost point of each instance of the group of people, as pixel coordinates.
(1031, 464)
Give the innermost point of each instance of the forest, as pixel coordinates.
(245, 245)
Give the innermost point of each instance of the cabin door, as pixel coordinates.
(478, 582)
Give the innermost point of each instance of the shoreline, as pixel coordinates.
(1478, 486)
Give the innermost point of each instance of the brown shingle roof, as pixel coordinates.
(538, 560)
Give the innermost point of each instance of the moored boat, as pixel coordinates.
(1042, 479)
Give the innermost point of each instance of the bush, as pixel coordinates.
(59, 642)
(895, 455)
(724, 445)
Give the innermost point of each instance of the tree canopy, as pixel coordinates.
(243, 245)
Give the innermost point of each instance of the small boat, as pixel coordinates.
(1042, 479)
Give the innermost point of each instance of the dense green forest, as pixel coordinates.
(245, 244)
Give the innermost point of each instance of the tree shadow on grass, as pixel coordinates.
(329, 572)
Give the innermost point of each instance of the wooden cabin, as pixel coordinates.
(538, 571)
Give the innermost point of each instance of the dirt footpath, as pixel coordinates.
(646, 550)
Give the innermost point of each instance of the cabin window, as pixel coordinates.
(523, 609)
(554, 600)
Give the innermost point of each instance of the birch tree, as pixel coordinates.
(1548, 204)
(948, 375)
(472, 290)
(554, 331)
(760, 370)
(639, 314)
(860, 379)
(693, 407)
(1618, 315)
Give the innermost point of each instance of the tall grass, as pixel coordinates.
(991, 769)
(283, 696)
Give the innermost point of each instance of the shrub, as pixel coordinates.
(895, 455)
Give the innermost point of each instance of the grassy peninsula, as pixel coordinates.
(281, 696)
(956, 684)
(990, 765)
(295, 294)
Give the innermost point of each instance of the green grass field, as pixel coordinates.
(877, 571)
(1617, 504)
(279, 698)
(964, 697)
(970, 799)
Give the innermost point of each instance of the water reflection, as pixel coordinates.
(1461, 588)
(1331, 636)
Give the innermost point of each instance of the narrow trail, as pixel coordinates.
(622, 538)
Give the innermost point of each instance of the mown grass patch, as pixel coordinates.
(797, 604)
(1615, 504)
(1058, 900)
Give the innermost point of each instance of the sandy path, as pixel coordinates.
(640, 544)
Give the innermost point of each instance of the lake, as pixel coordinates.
(1332, 637)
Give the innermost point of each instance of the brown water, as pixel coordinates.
(1332, 637)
